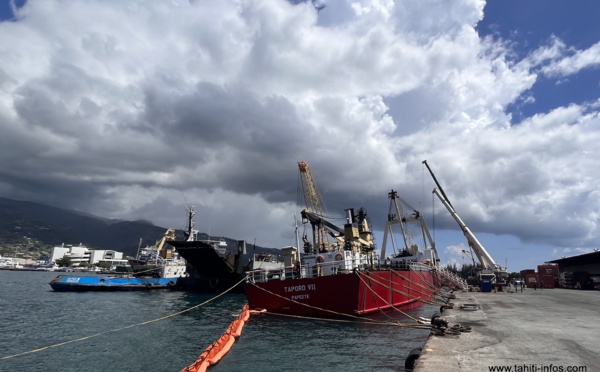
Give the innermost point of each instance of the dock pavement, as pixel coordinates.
(543, 330)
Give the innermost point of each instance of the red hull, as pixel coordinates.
(350, 293)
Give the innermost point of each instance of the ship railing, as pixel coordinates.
(404, 265)
(294, 272)
(263, 275)
(330, 268)
(265, 257)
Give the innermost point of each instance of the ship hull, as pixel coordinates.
(81, 283)
(355, 293)
(208, 268)
(212, 271)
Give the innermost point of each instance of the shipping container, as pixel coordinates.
(548, 269)
(547, 281)
(531, 280)
(527, 271)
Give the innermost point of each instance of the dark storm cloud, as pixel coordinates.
(131, 109)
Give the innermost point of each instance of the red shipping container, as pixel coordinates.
(546, 269)
(549, 281)
(525, 272)
(531, 279)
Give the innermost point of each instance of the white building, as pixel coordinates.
(7, 262)
(81, 253)
(104, 255)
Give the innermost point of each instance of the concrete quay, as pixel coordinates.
(549, 330)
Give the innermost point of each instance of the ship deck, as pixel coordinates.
(533, 330)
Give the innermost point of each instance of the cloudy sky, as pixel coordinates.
(134, 109)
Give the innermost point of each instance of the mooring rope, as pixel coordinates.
(385, 301)
(361, 318)
(122, 328)
(428, 293)
(431, 290)
(408, 294)
(395, 324)
(431, 285)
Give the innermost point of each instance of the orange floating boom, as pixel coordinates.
(221, 346)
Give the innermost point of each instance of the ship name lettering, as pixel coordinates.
(295, 288)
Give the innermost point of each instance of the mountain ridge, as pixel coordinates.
(30, 229)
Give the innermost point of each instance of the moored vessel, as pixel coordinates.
(212, 267)
(348, 277)
(82, 283)
(155, 267)
(159, 260)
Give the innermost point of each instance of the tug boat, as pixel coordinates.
(155, 267)
(348, 278)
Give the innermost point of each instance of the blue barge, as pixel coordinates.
(80, 283)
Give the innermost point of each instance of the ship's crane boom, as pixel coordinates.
(356, 234)
(486, 261)
(309, 188)
(317, 219)
(314, 206)
(169, 235)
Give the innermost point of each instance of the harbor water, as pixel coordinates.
(151, 331)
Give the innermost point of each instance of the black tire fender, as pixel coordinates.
(412, 357)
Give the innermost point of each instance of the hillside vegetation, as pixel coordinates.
(30, 230)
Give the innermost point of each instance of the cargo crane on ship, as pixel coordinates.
(489, 270)
(411, 224)
(355, 236)
(313, 213)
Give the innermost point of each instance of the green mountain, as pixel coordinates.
(31, 230)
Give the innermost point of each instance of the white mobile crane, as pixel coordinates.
(490, 270)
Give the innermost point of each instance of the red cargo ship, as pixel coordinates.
(347, 278)
(357, 292)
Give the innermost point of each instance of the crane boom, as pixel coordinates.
(313, 205)
(487, 262)
(309, 188)
(485, 259)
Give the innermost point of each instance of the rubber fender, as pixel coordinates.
(412, 357)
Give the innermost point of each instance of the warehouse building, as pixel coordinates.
(579, 272)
